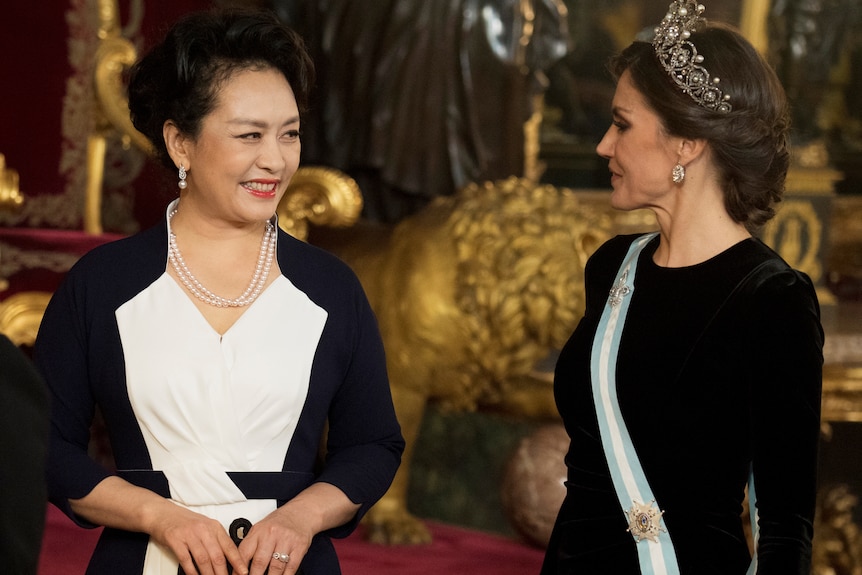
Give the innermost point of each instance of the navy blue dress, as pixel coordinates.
(188, 410)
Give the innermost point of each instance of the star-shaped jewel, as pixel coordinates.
(645, 521)
(620, 290)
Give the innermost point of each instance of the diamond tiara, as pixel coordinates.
(680, 59)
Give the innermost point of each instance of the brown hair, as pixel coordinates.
(749, 143)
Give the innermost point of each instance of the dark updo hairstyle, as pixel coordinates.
(749, 143)
(180, 78)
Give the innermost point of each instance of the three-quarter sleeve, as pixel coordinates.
(62, 358)
(364, 442)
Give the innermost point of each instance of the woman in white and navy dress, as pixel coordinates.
(216, 399)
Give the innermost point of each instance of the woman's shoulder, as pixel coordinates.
(771, 274)
(134, 254)
(113, 272)
(774, 295)
(779, 309)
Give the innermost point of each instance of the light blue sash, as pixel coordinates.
(654, 545)
(752, 511)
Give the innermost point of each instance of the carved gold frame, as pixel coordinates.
(21, 314)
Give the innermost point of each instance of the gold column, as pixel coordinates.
(10, 194)
(752, 23)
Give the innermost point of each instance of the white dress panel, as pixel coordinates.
(209, 403)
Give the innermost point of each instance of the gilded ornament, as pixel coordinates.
(10, 194)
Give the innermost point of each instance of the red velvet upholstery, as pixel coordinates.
(37, 259)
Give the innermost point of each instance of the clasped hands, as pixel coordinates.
(203, 546)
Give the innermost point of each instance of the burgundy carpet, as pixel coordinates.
(66, 549)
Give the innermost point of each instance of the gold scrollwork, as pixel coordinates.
(21, 314)
(837, 539)
(322, 196)
(114, 56)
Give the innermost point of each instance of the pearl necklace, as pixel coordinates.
(255, 287)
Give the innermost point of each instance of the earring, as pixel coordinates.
(182, 183)
(678, 173)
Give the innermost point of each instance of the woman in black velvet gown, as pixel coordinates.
(697, 365)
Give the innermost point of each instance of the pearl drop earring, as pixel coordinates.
(182, 184)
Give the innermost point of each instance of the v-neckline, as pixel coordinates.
(199, 305)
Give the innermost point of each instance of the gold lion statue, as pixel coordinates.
(470, 294)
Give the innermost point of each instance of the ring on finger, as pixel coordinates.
(283, 557)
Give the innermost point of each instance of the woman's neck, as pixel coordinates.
(695, 231)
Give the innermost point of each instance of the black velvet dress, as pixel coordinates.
(707, 384)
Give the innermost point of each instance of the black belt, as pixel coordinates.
(279, 485)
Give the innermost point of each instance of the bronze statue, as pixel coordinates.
(417, 99)
(806, 39)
